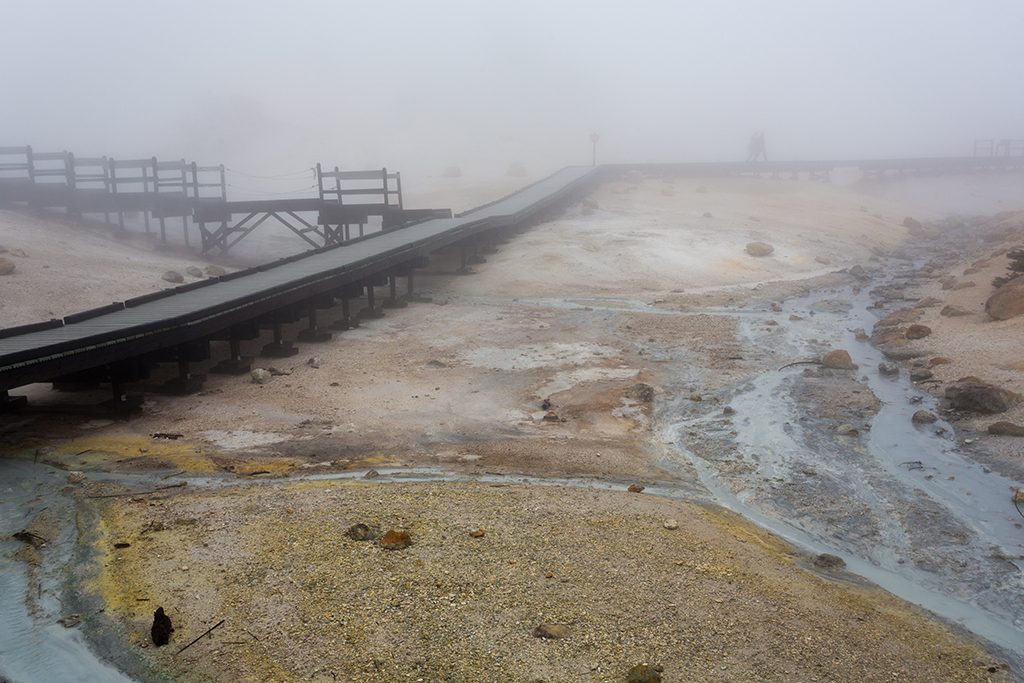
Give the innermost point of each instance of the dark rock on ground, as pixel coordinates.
(923, 417)
(551, 631)
(759, 249)
(829, 561)
(640, 391)
(979, 397)
(161, 631)
(838, 360)
(643, 673)
(918, 331)
(1005, 429)
(395, 540)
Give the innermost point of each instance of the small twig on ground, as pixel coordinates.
(142, 493)
(253, 637)
(200, 637)
(800, 362)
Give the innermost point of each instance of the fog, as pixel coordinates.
(274, 87)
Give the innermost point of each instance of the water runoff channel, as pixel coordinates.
(904, 506)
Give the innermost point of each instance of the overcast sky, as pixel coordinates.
(417, 86)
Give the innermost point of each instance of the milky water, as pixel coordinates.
(974, 580)
(943, 531)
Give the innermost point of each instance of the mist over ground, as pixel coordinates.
(272, 88)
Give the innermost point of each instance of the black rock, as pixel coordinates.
(161, 627)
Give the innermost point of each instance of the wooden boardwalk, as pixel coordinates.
(115, 343)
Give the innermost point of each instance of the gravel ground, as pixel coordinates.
(714, 599)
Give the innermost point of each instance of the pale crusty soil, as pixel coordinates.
(574, 311)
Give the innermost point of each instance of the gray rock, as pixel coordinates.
(888, 368)
(261, 376)
(920, 374)
(173, 276)
(951, 311)
(759, 249)
(194, 272)
(1005, 429)
(215, 271)
(6, 266)
(316, 362)
(923, 417)
(1007, 301)
(979, 397)
(76, 478)
(640, 391)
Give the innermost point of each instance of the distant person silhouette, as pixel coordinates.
(753, 151)
(761, 151)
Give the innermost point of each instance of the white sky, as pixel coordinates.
(272, 87)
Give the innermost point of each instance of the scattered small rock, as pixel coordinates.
(434, 365)
(838, 359)
(920, 374)
(372, 474)
(640, 392)
(6, 266)
(928, 302)
(759, 249)
(261, 376)
(76, 478)
(923, 417)
(551, 631)
(847, 430)
(316, 362)
(635, 488)
(70, 621)
(707, 214)
(361, 532)
(477, 533)
(173, 276)
(829, 561)
(1003, 428)
(888, 368)
(952, 311)
(916, 331)
(939, 360)
(671, 524)
(395, 540)
(823, 260)
(696, 397)
(20, 253)
(642, 673)
(980, 397)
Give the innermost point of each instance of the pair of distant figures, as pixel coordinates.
(756, 147)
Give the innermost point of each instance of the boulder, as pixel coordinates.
(759, 249)
(1007, 301)
(635, 488)
(939, 360)
(838, 360)
(194, 272)
(859, 272)
(173, 276)
(215, 271)
(1005, 429)
(913, 224)
(918, 331)
(6, 266)
(980, 397)
(928, 302)
(920, 374)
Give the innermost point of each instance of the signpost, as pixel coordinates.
(594, 137)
